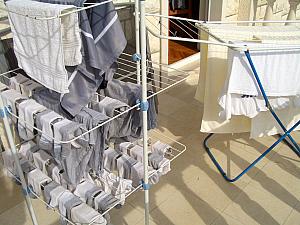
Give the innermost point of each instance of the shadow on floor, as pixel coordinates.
(196, 157)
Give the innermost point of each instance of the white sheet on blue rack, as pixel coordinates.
(278, 71)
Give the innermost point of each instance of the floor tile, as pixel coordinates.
(225, 219)
(190, 117)
(279, 181)
(294, 217)
(127, 215)
(11, 194)
(159, 193)
(151, 222)
(19, 215)
(169, 104)
(288, 158)
(258, 206)
(220, 194)
(184, 208)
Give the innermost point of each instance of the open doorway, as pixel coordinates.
(188, 9)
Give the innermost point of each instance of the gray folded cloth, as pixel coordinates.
(26, 166)
(154, 160)
(106, 202)
(47, 189)
(90, 196)
(71, 203)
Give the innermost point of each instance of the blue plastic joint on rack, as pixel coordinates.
(145, 186)
(5, 111)
(136, 57)
(26, 191)
(144, 106)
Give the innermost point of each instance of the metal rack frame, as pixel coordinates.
(141, 72)
(140, 65)
(286, 137)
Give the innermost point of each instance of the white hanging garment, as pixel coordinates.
(40, 45)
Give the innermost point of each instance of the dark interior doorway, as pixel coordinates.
(188, 9)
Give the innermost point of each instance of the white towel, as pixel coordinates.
(71, 39)
(55, 194)
(46, 121)
(36, 178)
(63, 198)
(9, 98)
(22, 119)
(16, 81)
(137, 153)
(28, 87)
(30, 110)
(82, 188)
(160, 148)
(264, 124)
(2, 87)
(277, 70)
(41, 159)
(26, 150)
(84, 214)
(214, 73)
(38, 44)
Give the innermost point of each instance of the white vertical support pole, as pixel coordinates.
(137, 40)
(17, 162)
(161, 44)
(144, 108)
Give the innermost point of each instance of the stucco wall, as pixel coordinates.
(2, 12)
(237, 9)
(152, 6)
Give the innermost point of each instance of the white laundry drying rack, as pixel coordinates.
(137, 72)
(140, 65)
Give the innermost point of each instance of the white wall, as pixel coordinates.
(2, 12)
(253, 9)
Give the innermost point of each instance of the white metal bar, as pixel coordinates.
(222, 22)
(164, 26)
(197, 34)
(161, 22)
(134, 79)
(103, 123)
(61, 15)
(162, 64)
(181, 28)
(258, 47)
(144, 100)
(17, 162)
(137, 39)
(148, 78)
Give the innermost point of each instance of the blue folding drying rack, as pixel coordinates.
(287, 132)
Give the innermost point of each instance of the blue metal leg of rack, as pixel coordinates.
(293, 145)
(205, 143)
